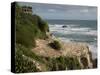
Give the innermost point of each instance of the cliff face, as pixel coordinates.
(37, 50)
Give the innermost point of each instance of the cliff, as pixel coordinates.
(37, 50)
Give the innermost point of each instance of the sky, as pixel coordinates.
(66, 12)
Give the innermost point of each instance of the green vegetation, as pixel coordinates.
(63, 63)
(24, 65)
(27, 52)
(55, 44)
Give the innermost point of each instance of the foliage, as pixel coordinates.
(72, 63)
(42, 25)
(55, 44)
(26, 51)
(24, 65)
(63, 63)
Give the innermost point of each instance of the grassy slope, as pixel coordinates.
(28, 28)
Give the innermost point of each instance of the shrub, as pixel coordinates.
(72, 63)
(55, 44)
(25, 36)
(21, 64)
(24, 65)
(27, 51)
(42, 25)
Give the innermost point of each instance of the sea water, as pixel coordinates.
(76, 30)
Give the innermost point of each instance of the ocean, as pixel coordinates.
(76, 31)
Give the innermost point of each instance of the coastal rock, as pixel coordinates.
(64, 26)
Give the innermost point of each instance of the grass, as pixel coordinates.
(63, 63)
(27, 51)
(23, 65)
